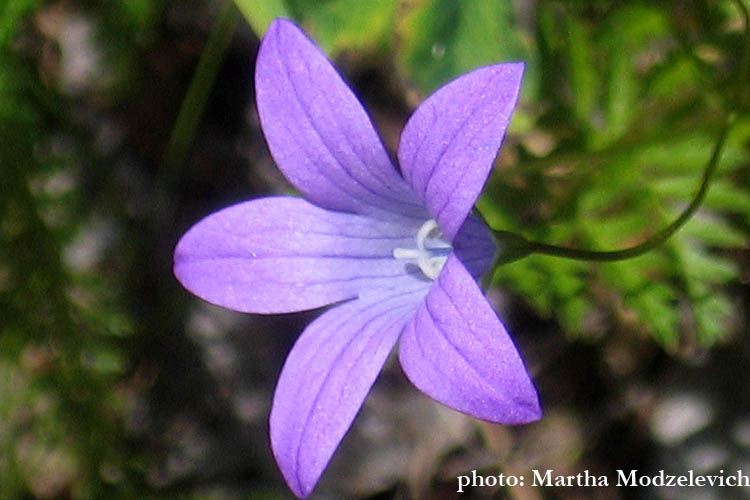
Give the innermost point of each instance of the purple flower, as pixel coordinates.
(399, 254)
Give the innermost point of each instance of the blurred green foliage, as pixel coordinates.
(439, 40)
(621, 106)
(644, 98)
(62, 321)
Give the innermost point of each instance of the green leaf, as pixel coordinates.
(548, 282)
(626, 35)
(441, 39)
(622, 92)
(428, 43)
(637, 24)
(629, 276)
(337, 25)
(712, 316)
(680, 75)
(713, 231)
(488, 34)
(655, 305)
(722, 195)
(686, 154)
(706, 268)
(584, 78)
(260, 13)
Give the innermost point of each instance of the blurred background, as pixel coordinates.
(124, 122)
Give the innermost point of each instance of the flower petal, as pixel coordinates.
(450, 142)
(456, 351)
(326, 377)
(283, 254)
(318, 133)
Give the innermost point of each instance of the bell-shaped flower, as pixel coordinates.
(398, 253)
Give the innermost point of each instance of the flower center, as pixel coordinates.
(432, 250)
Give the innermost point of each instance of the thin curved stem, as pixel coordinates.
(516, 247)
(198, 92)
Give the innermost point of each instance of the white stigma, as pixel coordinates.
(431, 252)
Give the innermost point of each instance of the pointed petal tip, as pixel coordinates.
(282, 30)
(528, 411)
(278, 32)
(516, 67)
(293, 475)
(298, 487)
(525, 407)
(281, 23)
(295, 479)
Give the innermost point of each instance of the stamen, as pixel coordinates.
(406, 253)
(424, 231)
(432, 250)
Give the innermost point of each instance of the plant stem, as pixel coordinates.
(198, 92)
(516, 247)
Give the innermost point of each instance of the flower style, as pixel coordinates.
(398, 253)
